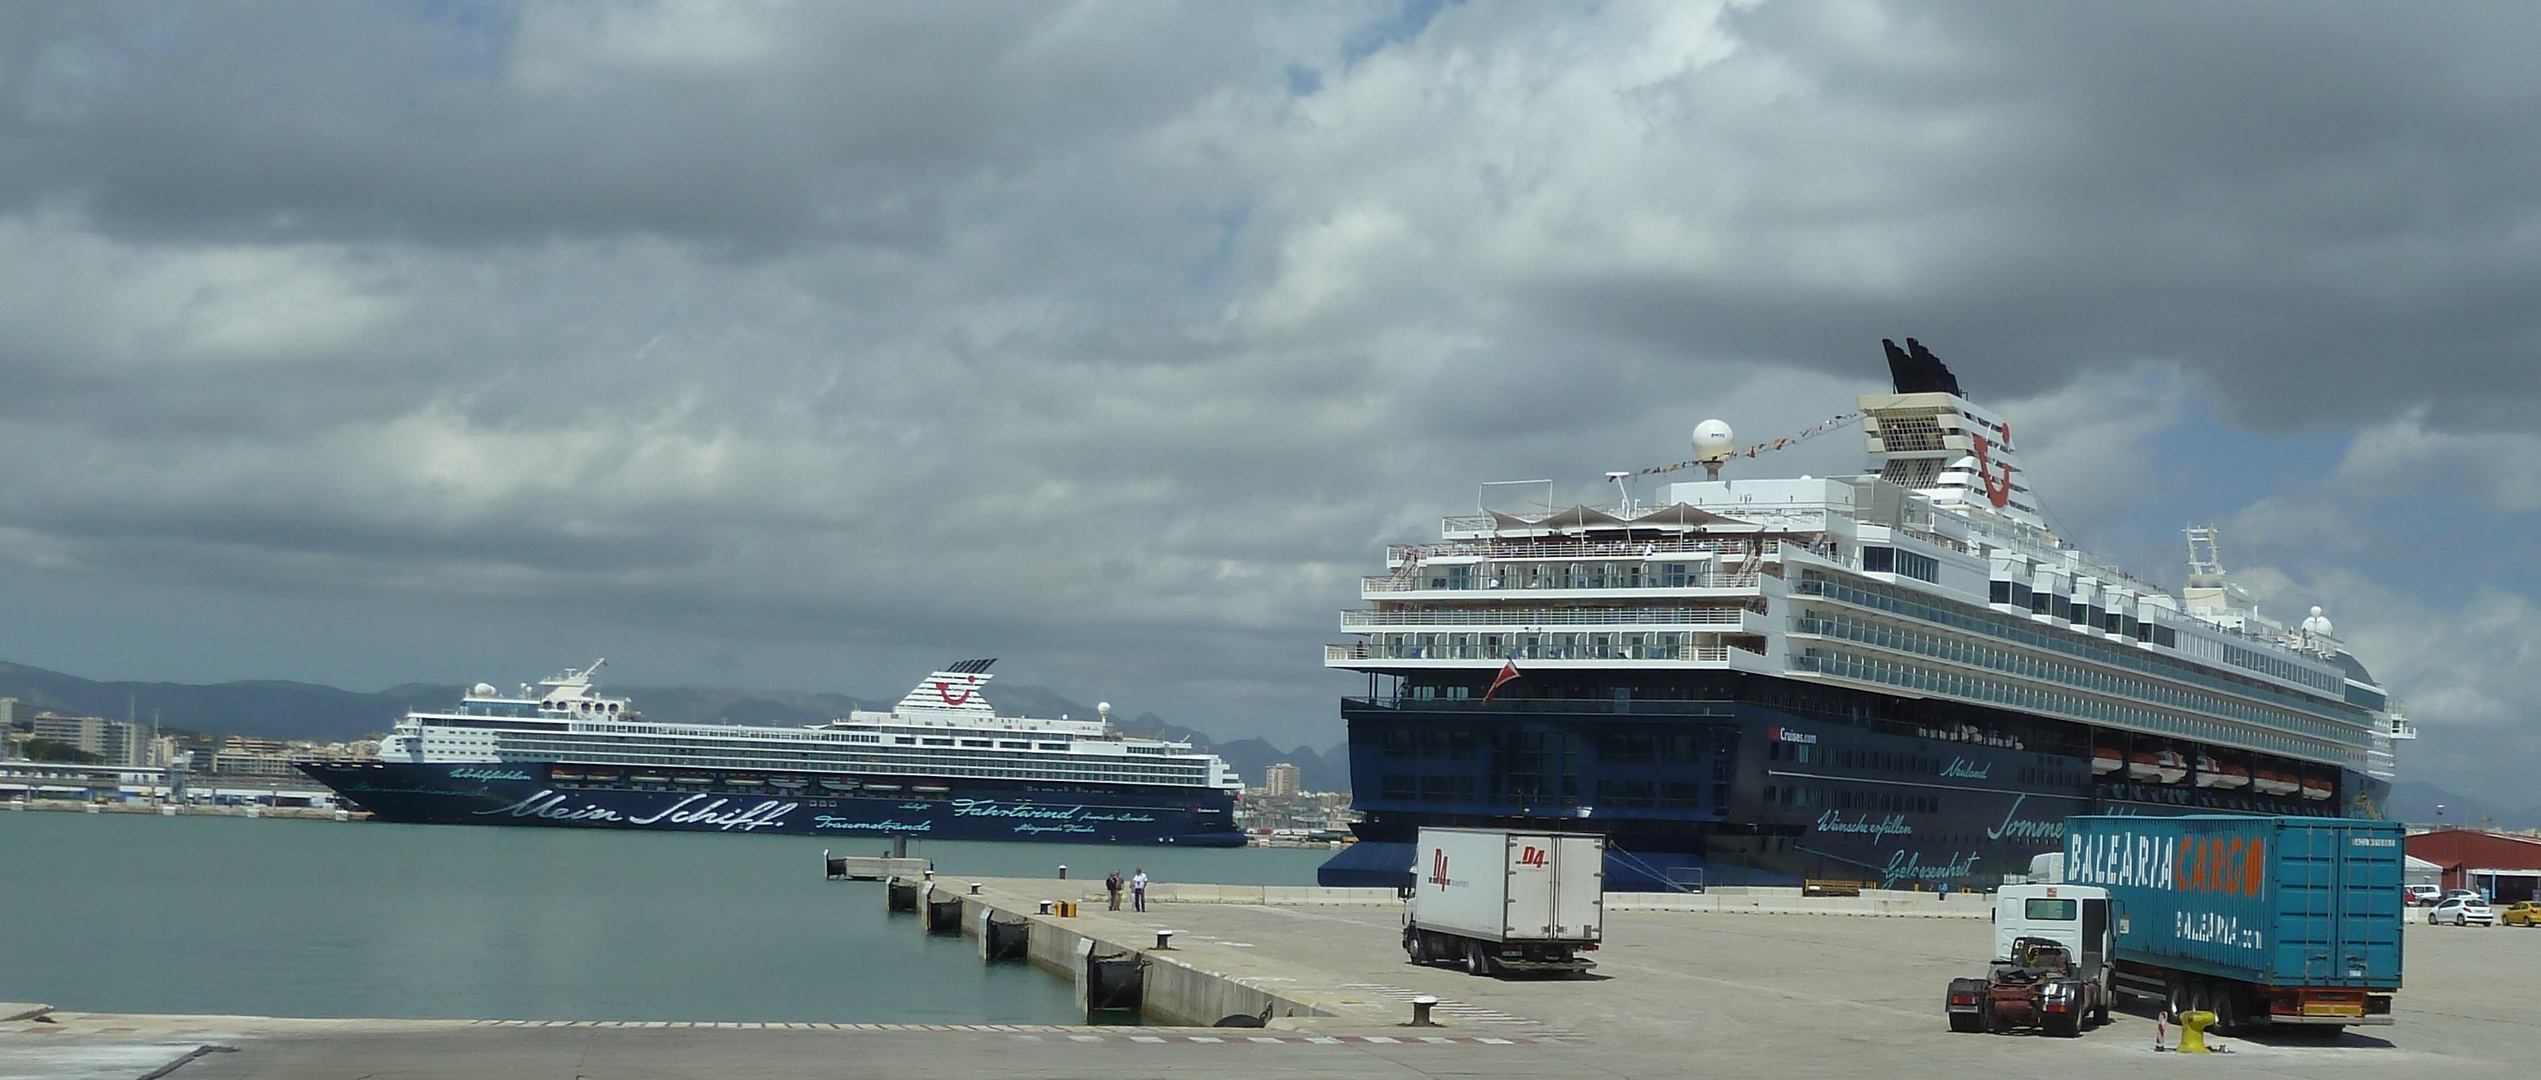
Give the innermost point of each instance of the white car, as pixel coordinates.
(2462, 911)
(2421, 895)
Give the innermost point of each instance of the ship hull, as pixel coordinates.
(528, 793)
(1761, 781)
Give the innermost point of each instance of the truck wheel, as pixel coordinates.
(1477, 959)
(2099, 1007)
(2064, 1025)
(1416, 946)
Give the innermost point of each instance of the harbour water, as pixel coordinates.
(132, 913)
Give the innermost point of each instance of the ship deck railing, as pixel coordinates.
(1711, 579)
(1577, 548)
(1590, 617)
(1364, 650)
(1706, 707)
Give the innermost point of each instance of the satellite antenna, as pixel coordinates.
(1712, 445)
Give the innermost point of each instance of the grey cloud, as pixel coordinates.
(1088, 333)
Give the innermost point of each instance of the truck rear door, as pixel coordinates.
(1531, 899)
(1579, 883)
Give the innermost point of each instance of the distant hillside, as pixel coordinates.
(283, 710)
(293, 710)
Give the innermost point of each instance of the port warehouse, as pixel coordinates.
(2502, 866)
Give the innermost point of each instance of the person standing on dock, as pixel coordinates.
(1112, 885)
(1138, 889)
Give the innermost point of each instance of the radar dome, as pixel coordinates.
(483, 689)
(2318, 624)
(1712, 440)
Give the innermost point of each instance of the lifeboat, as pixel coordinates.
(2105, 761)
(931, 789)
(2317, 789)
(737, 780)
(2272, 782)
(2172, 766)
(649, 778)
(694, 779)
(835, 783)
(2218, 774)
(789, 783)
(601, 776)
(563, 776)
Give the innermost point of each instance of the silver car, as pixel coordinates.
(2462, 911)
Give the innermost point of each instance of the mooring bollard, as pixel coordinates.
(1420, 1011)
(1063, 871)
(1045, 907)
(974, 888)
(1164, 939)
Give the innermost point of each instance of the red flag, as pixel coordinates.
(1507, 672)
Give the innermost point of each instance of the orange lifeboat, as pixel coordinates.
(2171, 765)
(2105, 761)
(2272, 782)
(2317, 789)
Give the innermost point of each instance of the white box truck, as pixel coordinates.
(1502, 902)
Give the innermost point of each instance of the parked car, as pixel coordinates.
(2462, 911)
(2420, 895)
(2522, 913)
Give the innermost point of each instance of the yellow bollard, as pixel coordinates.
(2192, 1031)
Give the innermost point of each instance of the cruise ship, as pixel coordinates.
(1903, 678)
(942, 764)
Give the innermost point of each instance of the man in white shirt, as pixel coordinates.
(1138, 890)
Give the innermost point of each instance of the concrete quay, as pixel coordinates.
(1676, 993)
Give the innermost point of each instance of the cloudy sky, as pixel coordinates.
(809, 345)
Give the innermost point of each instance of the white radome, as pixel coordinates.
(1712, 440)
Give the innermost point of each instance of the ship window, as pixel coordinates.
(1399, 788)
(1401, 742)
(1999, 592)
(1879, 560)
(1054, 746)
(933, 742)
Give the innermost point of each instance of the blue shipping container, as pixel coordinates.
(2282, 902)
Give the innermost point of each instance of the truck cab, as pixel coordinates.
(2074, 916)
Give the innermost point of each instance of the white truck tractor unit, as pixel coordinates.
(2051, 969)
(1506, 902)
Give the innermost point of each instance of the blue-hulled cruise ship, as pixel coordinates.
(941, 764)
(1902, 677)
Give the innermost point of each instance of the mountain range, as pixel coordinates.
(278, 709)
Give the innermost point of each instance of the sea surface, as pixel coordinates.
(134, 913)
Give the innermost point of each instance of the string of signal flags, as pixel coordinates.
(1822, 428)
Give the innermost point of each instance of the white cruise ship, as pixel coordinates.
(942, 763)
(1899, 677)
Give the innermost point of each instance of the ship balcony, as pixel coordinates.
(1476, 655)
(1719, 620)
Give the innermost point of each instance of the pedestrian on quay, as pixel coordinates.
(1138, 889)
(1112, 885)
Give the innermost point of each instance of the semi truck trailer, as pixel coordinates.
(2259, 920)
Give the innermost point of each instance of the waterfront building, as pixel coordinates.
(1280, 780)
